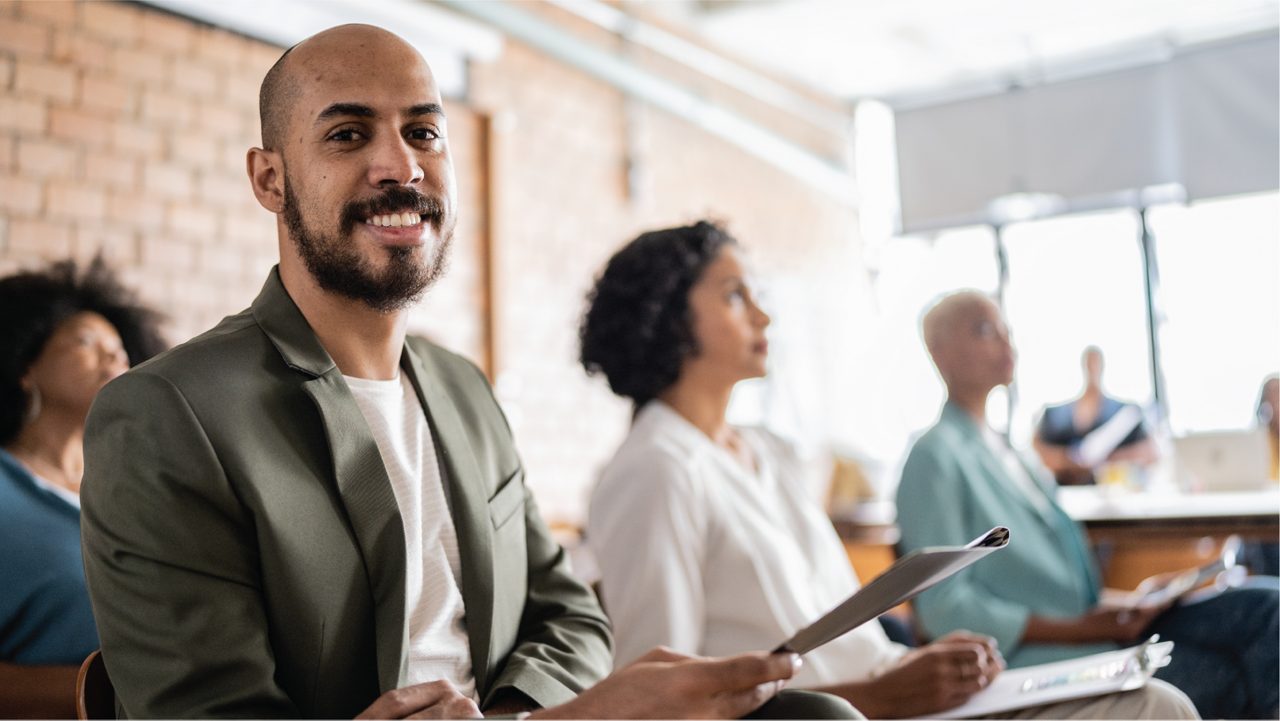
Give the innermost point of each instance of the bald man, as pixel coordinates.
(306, 513)
(1039, 597)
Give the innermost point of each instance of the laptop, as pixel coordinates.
(1223, 460)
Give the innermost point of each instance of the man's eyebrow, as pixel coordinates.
(340, 109)
(337, 110)
(425, 109)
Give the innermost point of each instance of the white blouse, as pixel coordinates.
(699, 554)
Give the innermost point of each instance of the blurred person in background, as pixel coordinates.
(1040, 596)
(1063, 427)
(1268, 415)
(63, 334)
(707, 538)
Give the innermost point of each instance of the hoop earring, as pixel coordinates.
(34, 405)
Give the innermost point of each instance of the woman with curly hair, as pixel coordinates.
(707, 540)
(63, 335)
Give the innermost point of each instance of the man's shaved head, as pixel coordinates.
(275, 98)
(281, 87)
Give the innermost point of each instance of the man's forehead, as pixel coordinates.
(363, 65)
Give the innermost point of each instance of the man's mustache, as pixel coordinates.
(393, 200)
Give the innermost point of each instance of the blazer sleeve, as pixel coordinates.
(647, 530)
(182, 623)
(563, 645)
(932, 501)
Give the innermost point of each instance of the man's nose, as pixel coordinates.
(394, 162)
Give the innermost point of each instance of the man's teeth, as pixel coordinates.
(395, 220)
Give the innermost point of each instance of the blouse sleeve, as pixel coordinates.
(648, 528)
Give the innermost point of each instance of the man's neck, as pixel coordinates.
(363, 342)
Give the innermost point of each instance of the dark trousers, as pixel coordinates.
(1225, 652)
(793, 704)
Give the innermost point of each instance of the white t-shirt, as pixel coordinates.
(704, 556)
(438, 645)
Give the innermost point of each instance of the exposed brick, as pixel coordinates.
(162, 107)
(75, 201)
(44, 79)
(46, 159)
(112, 170)
(167, 181)
(70, 46)
(54, 12)
(143, 65)
(25, 39)
(168, 32)
(192, 150)
(143, 142)
(223, 190)
(191, 220)
(219, 47)
(138, 210)
(76, 125)
(39, 239)
(221, 121)
(219, 259)
(168, 254)
(243, 85)
(19, 194)
(117, 245)
(8, 152)
(112, 20)
(249, 229)
(106, 95)
(196, 79)
(22, 114)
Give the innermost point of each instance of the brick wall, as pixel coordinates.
(123, 129)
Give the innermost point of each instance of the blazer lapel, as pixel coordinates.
(359, 473)
(469, 504)
(375, 518)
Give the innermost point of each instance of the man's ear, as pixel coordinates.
(266, 175)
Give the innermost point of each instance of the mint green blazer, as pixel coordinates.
(243, 547)
(953, 489)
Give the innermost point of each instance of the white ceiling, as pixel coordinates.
(901, 48)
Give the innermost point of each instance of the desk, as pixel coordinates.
(1138, 534)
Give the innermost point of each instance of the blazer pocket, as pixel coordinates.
(507, 501)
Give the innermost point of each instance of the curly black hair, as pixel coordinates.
(637, 331)
(32, 306)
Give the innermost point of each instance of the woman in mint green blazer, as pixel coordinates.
(1039, 597)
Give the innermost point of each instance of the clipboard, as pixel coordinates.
(1084, 677)
(916, 572)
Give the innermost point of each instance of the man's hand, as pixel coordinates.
(434, 699)
(932, 678)
(666, 684)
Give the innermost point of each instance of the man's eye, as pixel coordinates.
(346, 135)
(423, 134)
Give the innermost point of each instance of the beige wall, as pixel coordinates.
(124, 129)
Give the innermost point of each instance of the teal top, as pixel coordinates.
(955, 488)
(45, 616)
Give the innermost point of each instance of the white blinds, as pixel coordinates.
(1209, 119)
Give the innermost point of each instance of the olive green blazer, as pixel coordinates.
(243, 547)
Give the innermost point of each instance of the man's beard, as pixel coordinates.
(338, 267)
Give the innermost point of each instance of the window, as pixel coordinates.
(1218, 263)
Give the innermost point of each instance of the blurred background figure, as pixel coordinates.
(64, 333)
(1064, 428)
(1269, 418)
